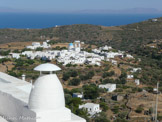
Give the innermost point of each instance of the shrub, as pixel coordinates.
(104, 106)
(115, 109)
(101, 117)
(139, 109)
(66, 76)
(74, 82)
(39, 49)
(91, 91)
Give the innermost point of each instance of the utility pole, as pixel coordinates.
(153, 111)
(156, 102)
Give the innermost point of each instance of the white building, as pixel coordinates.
(3, 57)
(44, 103)
(154, 20)
(105, 48)
(130, 76)
(137, 81)
(78, 95)
(91, 108)
(15, 55)
(109, 87)
(129, 56)
(77, 46)
(71, 47)
(36, 45)
(136, 69)
(114, 62)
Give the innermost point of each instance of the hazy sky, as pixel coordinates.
(72, 5)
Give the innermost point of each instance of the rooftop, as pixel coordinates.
(16, 87)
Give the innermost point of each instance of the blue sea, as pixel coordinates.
(17, 20)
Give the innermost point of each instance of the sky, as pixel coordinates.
(76, 5)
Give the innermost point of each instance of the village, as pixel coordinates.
(108, 84)
(74, 54)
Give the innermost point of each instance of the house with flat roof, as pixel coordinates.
(91, 108)
(109, 87)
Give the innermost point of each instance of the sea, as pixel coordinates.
(42, 20)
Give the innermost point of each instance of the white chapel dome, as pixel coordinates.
(47, 94)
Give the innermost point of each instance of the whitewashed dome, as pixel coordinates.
(47, 67)
(47, 93)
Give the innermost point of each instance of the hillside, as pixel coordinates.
(138, 34)
(125, 37)
(87, 33)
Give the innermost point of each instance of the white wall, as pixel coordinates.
(13, 109)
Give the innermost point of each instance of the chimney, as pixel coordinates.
(23, 77)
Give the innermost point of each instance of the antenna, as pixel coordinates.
(156, 102)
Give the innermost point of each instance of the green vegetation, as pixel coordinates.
(133, 38)
(139, 109)
(91, 91)
(39, 49)
(4, 53)
(4, 60)
(108, 74)
(104, 106)
(74, 82)
(89, 75)
(68, 74)
(101, 117)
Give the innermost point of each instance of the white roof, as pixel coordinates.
(89, 105)
(109, 85)
(17, 88)
(47, 67)
(2, 119)
(77, 41)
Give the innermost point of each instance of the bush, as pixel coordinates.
(39, 49)
(16, 51)
(68, 98)
(108, 74)
(4, 60)
(88, 76)
(104, 106)
(30, 61)
(101, 117)
(12, 73)
(139, 109)
(66, 76)
(4, 53)
(91, 91)
(108, 81)
(120, 120)
(122, 115)
(73, 73)
(115, 109)
(68, 65)
(74, 82)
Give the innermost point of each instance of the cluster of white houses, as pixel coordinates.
(36, 45)
(73, 55)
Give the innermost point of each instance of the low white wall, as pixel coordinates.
(14, 110)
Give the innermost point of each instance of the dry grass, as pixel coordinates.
(15, 45)
(147, 100)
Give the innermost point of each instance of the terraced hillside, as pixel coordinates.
(126, 37)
